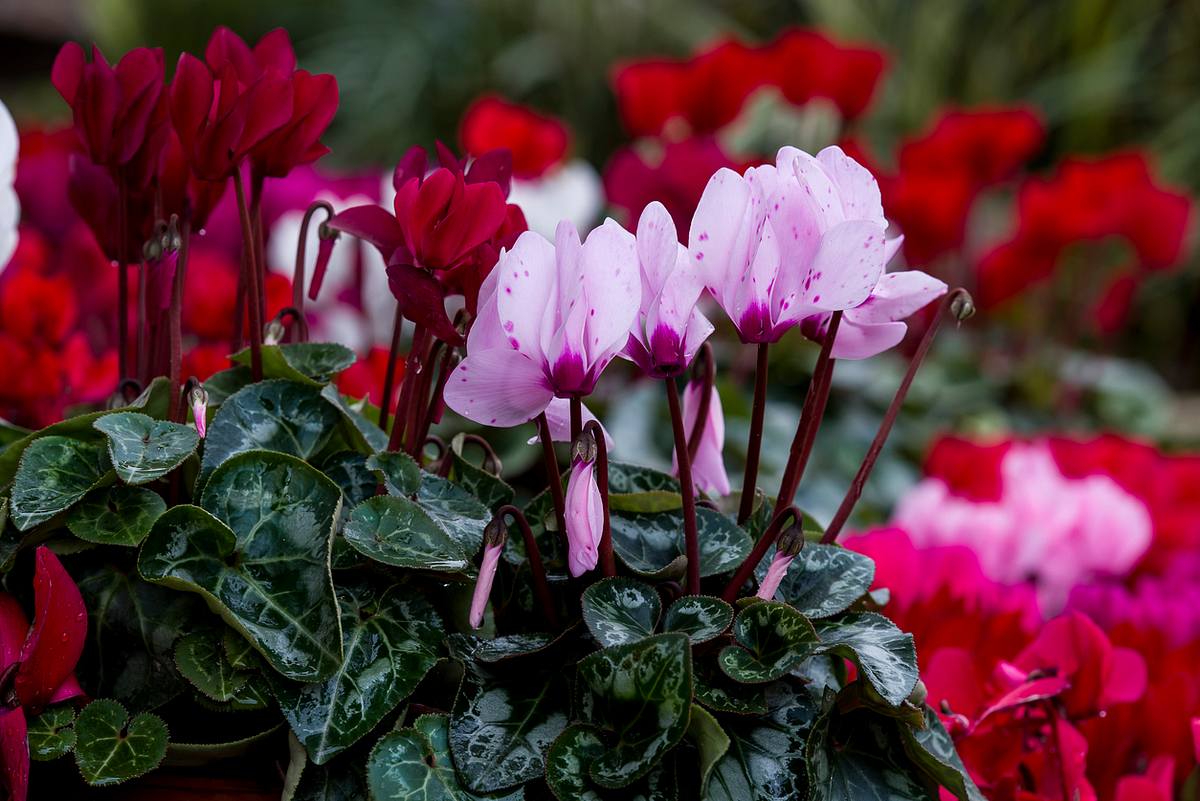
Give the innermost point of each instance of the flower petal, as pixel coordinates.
(611, 281)
(848, 265)
(56, 639)
(14, 753)
(897, 296)
(527, 292)
(498, 387)
(371, 224)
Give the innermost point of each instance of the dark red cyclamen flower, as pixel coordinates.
(805, 64)
(219, 119)
(440, 220)
(113, 108)
(38, 661)
(536, 141)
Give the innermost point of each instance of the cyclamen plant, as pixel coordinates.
(297, 568)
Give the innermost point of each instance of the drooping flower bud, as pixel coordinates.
(789, 544)
(326, 237)
(274, 332)
(963, 306)
(199, 400)
(584, 507)
(494, 536)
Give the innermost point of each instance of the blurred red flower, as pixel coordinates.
(536, 141)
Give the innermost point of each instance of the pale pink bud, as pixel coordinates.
(493, 544)
(200, 410)
(585, 517)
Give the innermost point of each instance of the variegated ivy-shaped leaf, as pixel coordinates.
(765, 758)
(700, 617)
(575, 750)
(710, 740)
(55, 473)
(823, 580)
(202, 660)
(932, 749)
(397, 531)
(772, 639)
(116, 515)
(314, 363)
(143, 449)
(650, 542)
(392, 637)
(365, 434)
(489, 488)
(618, 611)
(52, 733)
(884, 654)
(258, 550)
(457, 511)
(642, 692)
(110, 748)
(503, 722)
(400, 473)
(280, 416)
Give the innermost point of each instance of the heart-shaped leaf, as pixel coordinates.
(143, 449)
(222, 384)
(700, 617)
(711, 741)
(720, 693)
(502, 723)
(882, 652)
(628, 479)
(55, 473)
(110, 748)
(392, 637)
(765, 758)
(401, 474)
(932, 749)
(572, 754)
(649, 543)
(642, 692)
(52, 733)
(132, 629)
(117, 515)
(397, 531)
(823, 580)
(349, 471)
(201, 659)
(259, 551)
(618, 611)
(773, 638)
(863, 762)
(458, 512)
(365, 434)
(313, 363)
(404, 767)
(276, 415)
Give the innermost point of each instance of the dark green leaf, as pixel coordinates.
(711, 741)
(883, 653)
(625, 478)
(349, 471)
(276, 415)
(765, 758)
(52, 733)
(224, 383)
(773, 638)
(720, 693)
(117, 515)
(366, 435)
(55, 473)
(648, 543)
(700, 617)
(502, 724)
(110, 748)
(341, 780)
(620, 610)
(489, 488)
(458, 512)
(860, 761)
(313, 363)
(201, 659)
(932, 750)
(824, 580)
(568, 760)
(132, 628)
(392, 637)
(396, 531)
(401, 474)
(466, 647)
(402, 768)
(143, 449)
(642, 692)
(258, 551)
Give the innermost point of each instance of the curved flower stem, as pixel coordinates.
(252, 286)
(553, 474)
(301, 246)
(418, 405)
(608, 563)
(754, 444)
(436, 404)
(811, 414)
(175, 316)
(540, 587)
(260, 259)
(952, 299)
(412, 371)
(576, 418)
(746, 569)
(704, 359)
(691, 537)
(389, 375)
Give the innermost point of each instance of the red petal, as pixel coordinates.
(14, 626)
(411, 165)
(226, 48)
(468, 223)
(274, 51)
(14, 753)
(55, 642)
(96, 113)
(191, 97)
(268, 107)
(68, 71)
(422, 300)
(140, 75)
(371, 224)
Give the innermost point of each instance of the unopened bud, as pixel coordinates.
(324, 231)
(962, 306)
(919, 693)
(791, 541)
(495, 532)
(199, 401)
(583, 449)
(274, 332)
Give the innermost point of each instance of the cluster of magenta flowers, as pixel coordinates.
(799, 245)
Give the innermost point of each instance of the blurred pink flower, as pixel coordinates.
(708, 466)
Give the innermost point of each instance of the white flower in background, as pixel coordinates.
(10, 210)
(571, 192)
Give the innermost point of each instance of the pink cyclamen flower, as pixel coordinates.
(669, 329)
(493, 546)
(785, 242)
(775, 573)
(551, 318)
(585, 517)
(708, 465)
(876, 324)
(200, 410)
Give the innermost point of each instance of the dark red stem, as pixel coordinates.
(389, 375)
(754, 444)
(704, 359)
(122, 277)
(252, 286)
(608, 563)
(889, 419)
(553, 474)
(412, 372)
(691, 538)
(576, 418)
(298, 271)
(175, 316)
(540, 586)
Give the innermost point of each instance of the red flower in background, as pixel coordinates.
(806, 65)
(364, 378)
(37, 663)
(536, 141)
